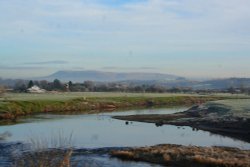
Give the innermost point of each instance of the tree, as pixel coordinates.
(70, 86)
(89, 85)
(44, 85)
(231, 90)
(37, 83)
(20, 86)
(57, 84)
(30, 84)
(2, 90)
(138, 89)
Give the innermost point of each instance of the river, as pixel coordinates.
(102, 131)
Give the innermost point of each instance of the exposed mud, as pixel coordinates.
(212, 117)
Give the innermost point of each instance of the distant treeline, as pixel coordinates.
(91, 86)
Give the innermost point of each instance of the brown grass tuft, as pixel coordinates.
(177, 155)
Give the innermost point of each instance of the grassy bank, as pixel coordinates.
(13, 106)
(187, 156)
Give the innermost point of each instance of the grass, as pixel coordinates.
(72, 95)
(50, 158)
(14, 105)
(188, 156)
(55, 152)
(236, 107)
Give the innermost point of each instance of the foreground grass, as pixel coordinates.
(13, 106)
(45, 158)
(187, 156)
(43, 152)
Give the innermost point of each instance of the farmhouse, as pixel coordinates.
(35, 89)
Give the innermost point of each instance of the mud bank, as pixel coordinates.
(187, 156)
(214, 117)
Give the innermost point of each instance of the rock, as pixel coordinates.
(160, 123)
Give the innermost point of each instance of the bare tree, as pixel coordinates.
(2, 90)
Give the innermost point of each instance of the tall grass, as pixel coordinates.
(42, 152)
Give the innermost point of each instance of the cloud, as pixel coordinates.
(79, 68)
(55, 62)
(128, 68)
(143, 25)
(19, 68)
(148, 68)
(103, 32)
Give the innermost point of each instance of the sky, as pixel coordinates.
(190, 38)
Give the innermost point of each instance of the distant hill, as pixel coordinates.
(99, 76)
(224, 83)
(179, 82)
(136, 79)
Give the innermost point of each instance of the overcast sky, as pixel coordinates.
(191, 38)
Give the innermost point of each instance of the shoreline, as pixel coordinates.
(162, 154)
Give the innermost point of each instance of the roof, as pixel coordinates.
(36, 89)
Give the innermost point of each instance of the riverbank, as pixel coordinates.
(187, 156)
(15, 107)
(163, 155)
(229, 117)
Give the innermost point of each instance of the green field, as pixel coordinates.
(13, 105)
(74, 95)
(236, 107)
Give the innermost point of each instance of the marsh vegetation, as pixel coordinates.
(187, 156)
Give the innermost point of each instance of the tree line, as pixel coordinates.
(91, 86)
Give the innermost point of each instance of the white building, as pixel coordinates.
(35, 89)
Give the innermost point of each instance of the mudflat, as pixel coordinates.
(227, 117)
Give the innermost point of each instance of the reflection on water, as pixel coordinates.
(100, 130)
(149, 111)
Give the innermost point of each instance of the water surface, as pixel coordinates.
(100, 130)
